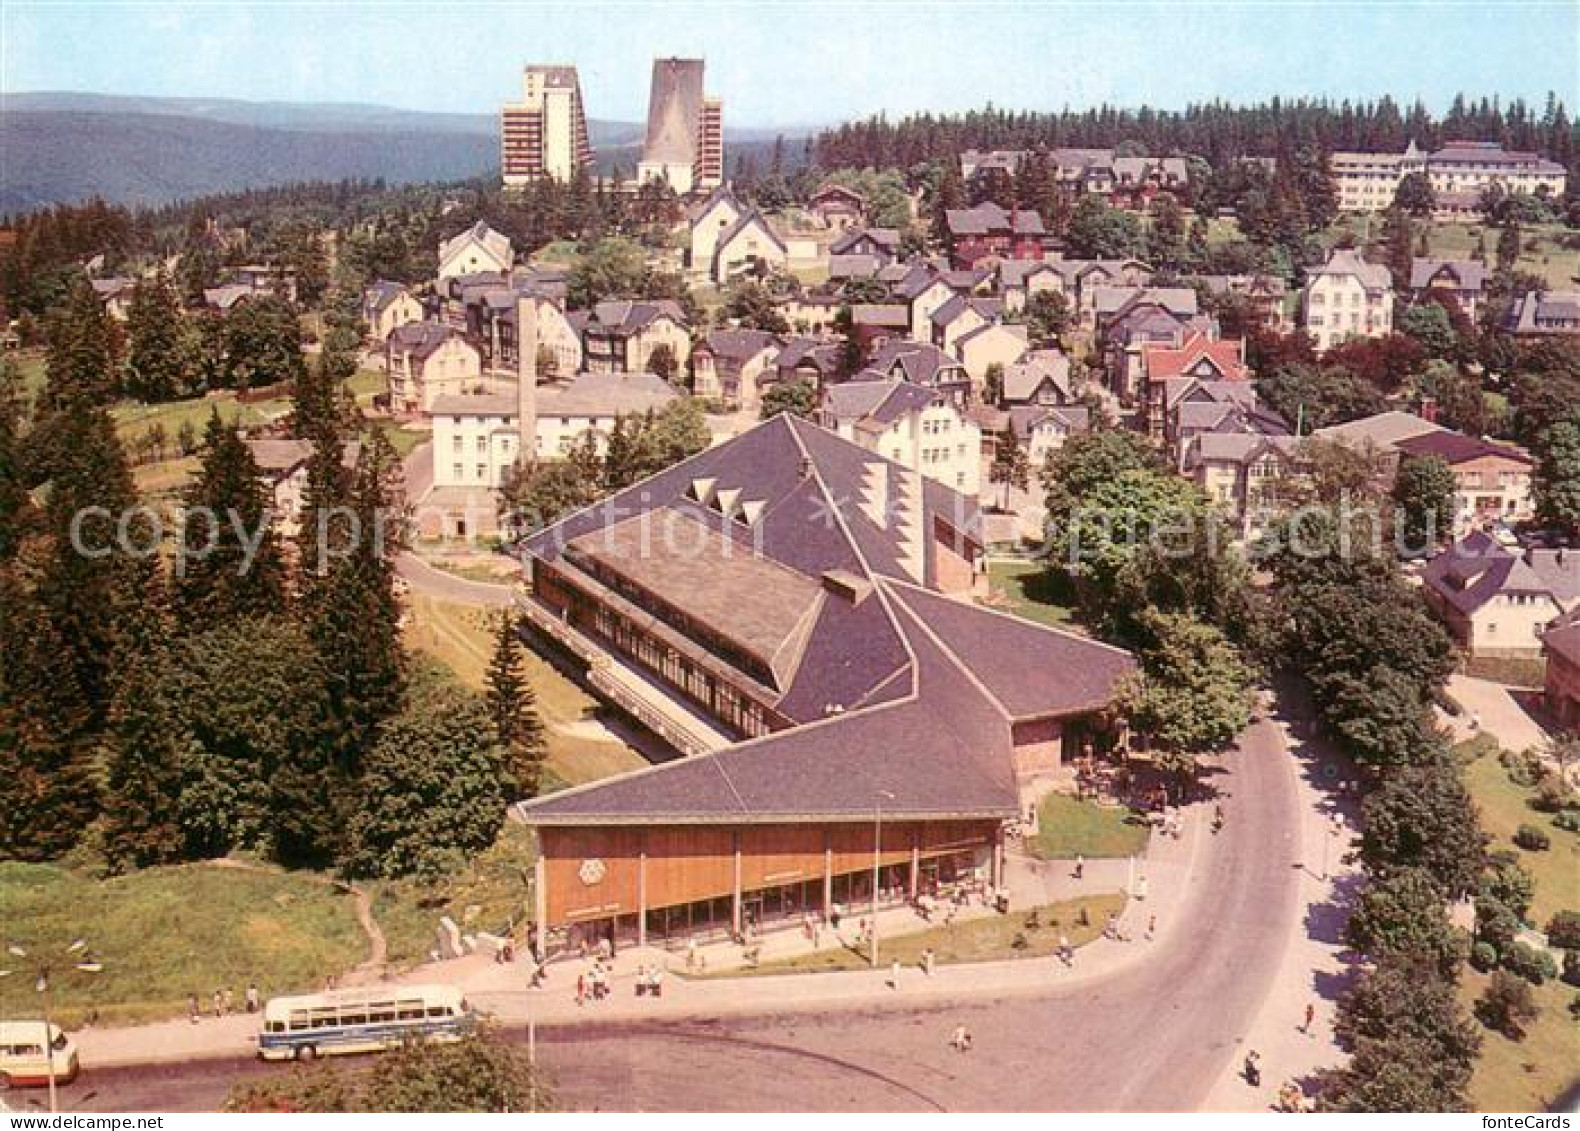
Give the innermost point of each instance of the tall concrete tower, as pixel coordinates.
(685, 139)
(526, 377)
(545, 134)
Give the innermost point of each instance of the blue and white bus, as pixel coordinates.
(369, 1019)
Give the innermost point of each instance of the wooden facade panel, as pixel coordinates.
(780, 854)
(608, 857)
(686, 864)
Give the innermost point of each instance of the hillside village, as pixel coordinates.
(893, 420)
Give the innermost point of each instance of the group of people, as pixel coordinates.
(593, 985)
(650, 981)
(223, 1002)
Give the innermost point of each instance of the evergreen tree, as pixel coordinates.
(1166, 239)
(1556, 482)
(17, 512)
(951, 194)
(156, 355)
(229, 563)
(80, 365)
(1508, 249)
(513, 707)
(148, 746)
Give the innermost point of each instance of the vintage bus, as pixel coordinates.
(25, 1062)
(368, 1019)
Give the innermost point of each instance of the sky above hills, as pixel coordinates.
(783, 63)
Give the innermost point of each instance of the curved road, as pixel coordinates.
(1155, 1036)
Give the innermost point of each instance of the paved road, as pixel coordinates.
(1153, 1037)
(435, 582)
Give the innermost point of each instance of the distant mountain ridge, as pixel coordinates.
(62, 146)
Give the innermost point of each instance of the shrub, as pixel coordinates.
(1572, 967)
(1568, 820)
(1553, 794)
(1507, 1005)
(1535, 966)
(1496, 923)
(1483, 956)
(1524, 767)
(1563, 930)
(1532, 839)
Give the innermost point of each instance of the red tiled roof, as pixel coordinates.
(1228, 355)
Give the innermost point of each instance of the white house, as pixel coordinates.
(427, 360)
(474, 251)
(387, 306)
(1347, 297)
(913, 425)
(710, 219)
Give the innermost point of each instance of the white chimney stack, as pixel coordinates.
(527, 375)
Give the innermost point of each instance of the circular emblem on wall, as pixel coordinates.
(592, 871)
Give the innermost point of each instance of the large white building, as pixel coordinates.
(1347, 297)
(1367, 181)
(545, 134)
(914, 425)
(684, 145)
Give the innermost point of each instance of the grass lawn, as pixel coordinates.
(1540, 252)
(988, 939)
(461, 638)
(365, 384)
(163, 933)
(400, 439)
(1529, 1074)
(1504, 808)
(133, 418)
(490, 894)
(1030, 590)
(165, 477)
(1068, 826)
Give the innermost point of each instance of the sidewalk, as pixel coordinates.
(501, 988)
(1313, 971)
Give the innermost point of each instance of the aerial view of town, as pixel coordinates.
(749, 557)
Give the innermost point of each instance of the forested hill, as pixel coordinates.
(146, 159)
(1215, 131)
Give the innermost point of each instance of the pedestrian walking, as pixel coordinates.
(960, 1040)
(691, 954)
(581, 989)
(1253, 1068)
(1080, 866)
(219, 1004)
(1311, 1015)
(193, 1012)
(1152, 926)
(230, 1001)
(927, 962)
(1066, 951)
(253, 1001)
(894, 974)
(1217, 817)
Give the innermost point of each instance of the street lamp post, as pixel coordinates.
(42, 984)
(877, 863)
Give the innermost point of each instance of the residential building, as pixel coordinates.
(477, 439)
(814, 360)
(1492, 481)
(990, 232)
(1198, 356)
(545, 134)
(728, 366)
(992, 343)
(881, 243)
(922, 364)
(1461, 170)
(1561, 687)
(1537, 313)
(426, 361)
(1042, 429)
(1463, 280)
(559, 349)
(959, 315)
(1347, 297)
(1019, 280)
(476, 250)
(716, 214)
(1265, 294)
(1495, 601)
(684, 146)
(837, 207)
(875, 323)
(621, 336)
(919, 427)
(1195, 406)
(749, 245)
(1085, 279)
(812, 670)
(1130, 319)
(1041, 378)
(1240, 472)
(282, 471)
(114, 293)
(386, 306)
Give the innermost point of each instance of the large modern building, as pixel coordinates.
(789, 610)
(685, 130)
(545, 134)
(1367, 181)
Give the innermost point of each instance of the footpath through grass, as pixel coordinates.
(1068, 827)
(164, 933)
(1020, 934)
(1530, 1074)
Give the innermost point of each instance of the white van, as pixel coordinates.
(25, 1062)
